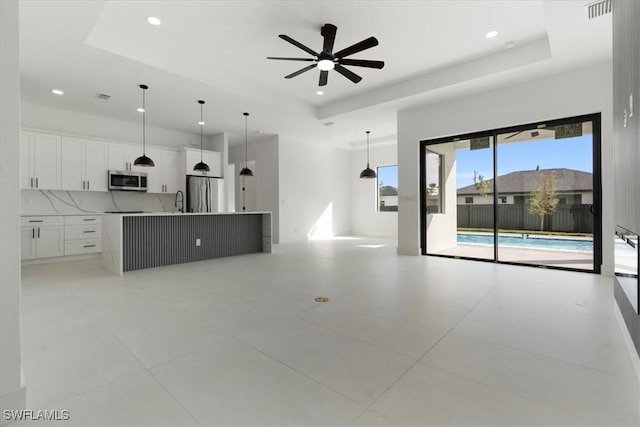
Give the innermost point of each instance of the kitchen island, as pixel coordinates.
(146, 240)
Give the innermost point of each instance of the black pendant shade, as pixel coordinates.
(143, 160)
(368, 173)
(201, 166)
(246, 171)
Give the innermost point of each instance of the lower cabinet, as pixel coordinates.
(42, 237)
(57, 236)
(82, 234)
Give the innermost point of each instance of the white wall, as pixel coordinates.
(12, 388)
(314, 190)
(265, 154)
(365, 219)
(584, 91)
(71, 122)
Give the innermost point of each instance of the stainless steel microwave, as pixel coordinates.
(127, 180)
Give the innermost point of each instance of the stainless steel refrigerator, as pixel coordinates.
(204, 194)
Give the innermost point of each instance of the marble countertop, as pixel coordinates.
(187, 213)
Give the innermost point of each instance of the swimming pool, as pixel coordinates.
(528, 242)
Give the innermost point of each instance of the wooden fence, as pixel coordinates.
(568, 218)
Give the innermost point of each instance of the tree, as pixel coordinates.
(543, 200)
(481, 185)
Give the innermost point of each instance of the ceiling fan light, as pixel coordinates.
(326, 65)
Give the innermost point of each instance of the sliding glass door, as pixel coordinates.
(524, 195)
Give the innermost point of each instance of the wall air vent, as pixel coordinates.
(103, 96)
(598, 8)
(328, 123)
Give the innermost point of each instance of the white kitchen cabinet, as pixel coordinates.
(40, 161)
(211, 158)
(84, 165)
(164, 177)
(122, 156)
(171, 172)
(82, 234)
(42, 237)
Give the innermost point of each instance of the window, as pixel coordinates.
(433, 185)
(502, 200)
(387, 177)
(468, 200)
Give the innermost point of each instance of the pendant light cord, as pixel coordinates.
(201, 126)
(144, 113)
(246, 141)
(367, 148)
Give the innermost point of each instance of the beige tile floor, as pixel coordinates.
(402, 341)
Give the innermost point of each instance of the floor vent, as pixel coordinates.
(598, 8)
(103, 96)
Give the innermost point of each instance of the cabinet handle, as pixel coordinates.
(33, 233)
(31, 182)
(38, 232)
(36, 182)
(89, 231)
(88, 185)
(89, 219)
(89, 246)
(36, 220)
(83, 185)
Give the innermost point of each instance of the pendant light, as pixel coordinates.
(143, 160)
(368, 173)
(202, 166)
(246, 171)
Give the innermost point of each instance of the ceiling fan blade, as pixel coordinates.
(297, 44)
(329, 33)
(324, 75)
(362, 63)
(347, 73)
(358, 47)
(300, 71)
(291, 59)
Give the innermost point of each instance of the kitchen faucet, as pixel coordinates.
(179, 200)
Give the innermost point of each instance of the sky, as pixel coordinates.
(388, 175)
(571, 153)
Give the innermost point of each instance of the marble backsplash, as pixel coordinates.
(52, 202)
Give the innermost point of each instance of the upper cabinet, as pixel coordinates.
(40, 161)
(122, 156)
(164, 177)
(211, 158)
(84, 165)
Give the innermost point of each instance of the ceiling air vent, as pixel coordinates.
(328, 123)
(103, 96)
(598, 8)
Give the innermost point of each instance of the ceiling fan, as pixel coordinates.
(327, 60)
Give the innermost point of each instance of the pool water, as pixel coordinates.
(528, 242)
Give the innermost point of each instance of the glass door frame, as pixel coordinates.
(595, 119)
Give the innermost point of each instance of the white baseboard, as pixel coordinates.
(633, 354)
(408, 250)
(13, 400)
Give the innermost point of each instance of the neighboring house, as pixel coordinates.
(388, 198)
(573, 187)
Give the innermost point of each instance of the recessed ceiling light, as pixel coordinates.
(491, 34)
(57, 91)
(201, 123)
(140, 110)
(320, 92)
(153, 20)
(509, 45)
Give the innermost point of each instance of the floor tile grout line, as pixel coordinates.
(145, 368)
(511, 392)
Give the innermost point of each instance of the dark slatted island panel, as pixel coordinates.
(154, 241)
